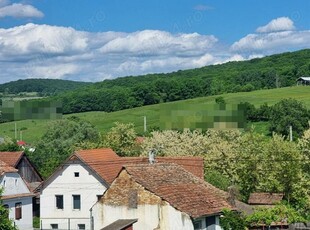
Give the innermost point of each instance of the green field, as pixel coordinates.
(33, 129)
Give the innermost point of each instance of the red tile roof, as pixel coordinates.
(180, 188)
(264, 198)
(11, 158)
(107, 164)
(16, 196)
(5, 168)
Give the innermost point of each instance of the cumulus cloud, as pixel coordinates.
(273, 42)
(278, 24)
(279, 35)
(44, 51)
(18, 10)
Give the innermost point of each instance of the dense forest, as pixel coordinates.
(274, 71)
(44, 87)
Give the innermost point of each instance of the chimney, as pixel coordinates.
(152, 156)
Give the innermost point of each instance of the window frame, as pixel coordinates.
(54, 226)
(59, 206)
(18, 211)
(80, 225)
(78, 207)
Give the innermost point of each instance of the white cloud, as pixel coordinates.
(277, 36)
(278, 24)
(273, 42)
(18, 10)
(44, 51)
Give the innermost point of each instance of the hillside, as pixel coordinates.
(33, 129)
(275, 71)
(44, 87)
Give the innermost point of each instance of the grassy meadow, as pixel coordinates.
(34, 129)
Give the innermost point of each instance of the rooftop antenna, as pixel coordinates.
(152, 156)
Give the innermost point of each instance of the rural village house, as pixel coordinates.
(16, 197)
(160, 196)
(68, 195)
(27, 171)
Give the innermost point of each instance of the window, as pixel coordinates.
(59, 201)
(76, 201)
(81, 227)
(76, 174)
(197, 224)
(18, 211)
(210, 222)
(15, 182)
(54, 226)
(4, 183)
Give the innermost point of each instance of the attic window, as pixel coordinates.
(76, 174)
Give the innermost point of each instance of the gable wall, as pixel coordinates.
(13, 184)
(63, 182)
(151, 211)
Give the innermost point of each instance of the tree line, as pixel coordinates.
(133, 91)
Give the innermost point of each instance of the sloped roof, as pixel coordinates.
(120, 224)
(180, 188)
(107, 164)
(264, 198)
(304, 78)
(5, 168)
(11, 158)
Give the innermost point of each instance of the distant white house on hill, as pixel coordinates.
(303, 81)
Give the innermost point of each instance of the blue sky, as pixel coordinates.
(96, 40)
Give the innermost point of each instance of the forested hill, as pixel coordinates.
(43, 87)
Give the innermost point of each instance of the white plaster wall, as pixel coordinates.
(87, 185)
(13, 184)
(149, 217)
(25, 223)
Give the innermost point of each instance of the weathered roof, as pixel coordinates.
(5, 168)
(264, 198)
(180, 188)
(120, 224)
(304, 78)
(107, 164)
(17, 196)
(11, 158)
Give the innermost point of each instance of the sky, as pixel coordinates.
(93, 40)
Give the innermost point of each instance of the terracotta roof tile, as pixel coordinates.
(11, 158)
(264, 198)
(5, 168)
(107, 164)
(179, 188)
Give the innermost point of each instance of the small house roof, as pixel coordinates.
(264, 198)
(180, 188)
(11, 158)
(5, 168)
(107, 164)
(120, 224)
(304, 78)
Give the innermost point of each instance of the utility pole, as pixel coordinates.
(144, 123)
(15, 131)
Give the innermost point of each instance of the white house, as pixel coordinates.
(159, 196)
(16, 197)
(68, 195)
